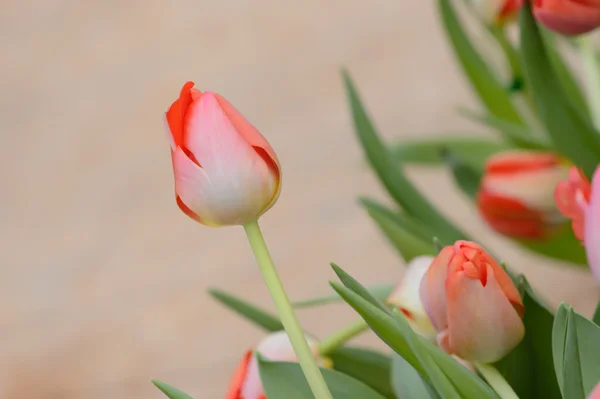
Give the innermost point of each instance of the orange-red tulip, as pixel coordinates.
(497, 12)
(516, 195)
(406, 296)
(472, 303)
(569, 17)
(246, 383)
(226, 173)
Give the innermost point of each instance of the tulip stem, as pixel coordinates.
(592, 71)
(286, 313)
(342, 336)
(496, 381)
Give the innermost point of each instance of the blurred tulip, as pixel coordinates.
(569, 17)
(472, 303)
(592, 227)
(516, 194)
(572, 197)
(226, 173)
(595, 393)
(246, 383)
(406, 297)
(497, 12)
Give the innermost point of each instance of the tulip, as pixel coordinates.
(497, 12)
(406, 297)
(516, 193)
(472, 303)
(569, 17)
(246, 383)
(595, 393)
(226, 173)
(572, 197)
(592, 227)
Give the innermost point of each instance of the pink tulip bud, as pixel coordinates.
(406, 297)
(572, 197)
(569, 17)
(246, 383)
(592, 227)
(472, 303)
(226, 173)
(595, 393)
(497, 12)
(516, 195)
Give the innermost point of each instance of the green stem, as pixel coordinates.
(286, 313)
(592, 71)
(512, 55)
(496, 381)
(342, 336)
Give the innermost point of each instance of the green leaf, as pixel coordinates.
(171, 392)
(381, 292)
(410, 238)
(562, 245)
(371, 367)
(473, 151)
(391, 176)
(529, 367)
(573, 135)
(464, 175)
(357, 288)
(576, 351)
(486, 84)
(426, 358)
(283, 380)
(513, 133)
(596, 317)
(407, 383)
(251, 312)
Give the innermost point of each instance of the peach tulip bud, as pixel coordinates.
(595, 393)
(226, 173)
(246, 383)
(572, 197)
(472, 303)
(592, 227)
(497, 12)
(569, 17)
(516, 194)
(406, 297)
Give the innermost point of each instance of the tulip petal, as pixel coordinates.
(176, 114)
(592, 227)
(595, 393)
(406, 296)
(483, 325)
(567, 17)
(233, 184)
(239, 376)
(432, 290)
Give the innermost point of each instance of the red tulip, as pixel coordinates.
(246, 383)
(226, 173)
(572, 197)
(472, 303)
(516, 193)
(569, 17)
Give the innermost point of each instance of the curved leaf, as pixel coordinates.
(171, 392)
(251, 312)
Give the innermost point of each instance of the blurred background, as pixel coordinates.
(103, 279)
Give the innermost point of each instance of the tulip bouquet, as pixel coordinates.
(460, 324)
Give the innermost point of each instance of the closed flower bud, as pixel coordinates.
(569, 17)
(406, 297)
(496, 12)
(516, 194)
(472, 303)
(246, 383)
(226, 173)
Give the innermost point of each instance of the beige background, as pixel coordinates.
(103, 279)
